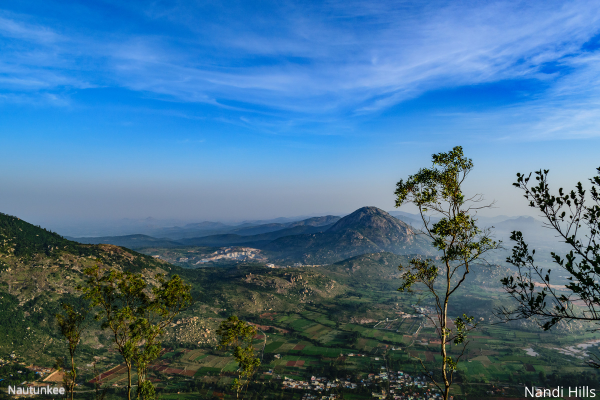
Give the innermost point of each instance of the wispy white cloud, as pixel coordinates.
(39, 99)
(27, 31)
(351, 65)
(339, 58)
(35, 57)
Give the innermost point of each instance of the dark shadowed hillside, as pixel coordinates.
(246, 229)
(367, 268)
(367, 230)
(258, 240)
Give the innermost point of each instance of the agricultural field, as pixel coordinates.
(312, 343)
(352, 331)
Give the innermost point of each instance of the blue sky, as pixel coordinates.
(230, 110)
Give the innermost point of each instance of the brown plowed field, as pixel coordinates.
(103, 376)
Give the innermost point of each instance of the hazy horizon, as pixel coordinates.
(128, 226)
(217, 112)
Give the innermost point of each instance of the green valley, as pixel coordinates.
(338, 329)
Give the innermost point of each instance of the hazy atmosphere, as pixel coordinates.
(299, 200)
(254, 110)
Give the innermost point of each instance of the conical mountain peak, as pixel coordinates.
(372, 221)
(366, 230)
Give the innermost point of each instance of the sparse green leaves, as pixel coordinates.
(566, 213)
(450, 363)
(463, 325)
(429, 187)
(237, 335)
(136, 313)
(418, 271)
(71, 324)
(455, 235)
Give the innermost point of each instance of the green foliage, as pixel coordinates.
(24, 240)
(14, 374)
(168, 299)
(419, 271)
(462, 327)
(457, 238)
(71, 325)
(238, 335)
(119, 297)
(568, 214)
(438, 189)
(136, 315)
(12, 320)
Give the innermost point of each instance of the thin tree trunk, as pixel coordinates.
(73, 375)
(141, 379)
(128, 380)
(138, 396)
(444, 325)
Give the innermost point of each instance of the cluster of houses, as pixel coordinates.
(401, 386)
(42, 371)
(295, 265)
(423, 310)
(309, 396)
(410, 396)
(233, 253)
(318, 384)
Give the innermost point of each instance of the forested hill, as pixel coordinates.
(22, 239)
(38, 270)
(22, 243)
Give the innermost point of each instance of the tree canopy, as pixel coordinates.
(460, 242)
(575, 216)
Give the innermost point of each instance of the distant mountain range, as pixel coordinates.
(361, 251)
(244, 235)
(317, 240)
(169, 228)
(321, 240)
(130, 241)
(367, 230)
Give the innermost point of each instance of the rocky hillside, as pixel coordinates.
(375, 225)
(40, 269)
(368, 268)
(367, 230)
